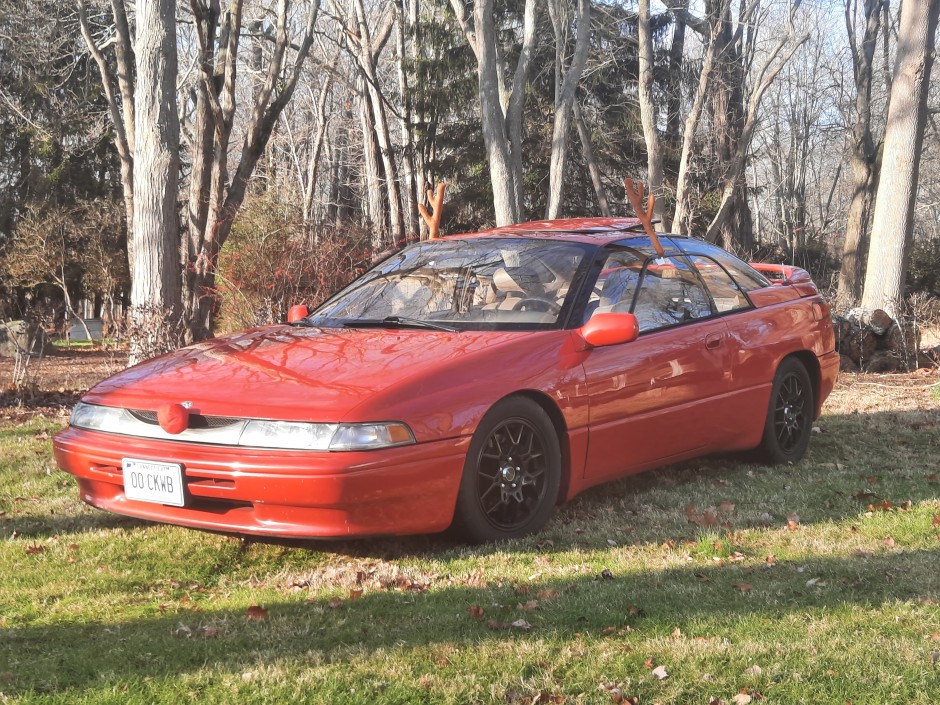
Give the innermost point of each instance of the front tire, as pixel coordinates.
(511, 476)
(789, 415)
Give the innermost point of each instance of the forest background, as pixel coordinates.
(183, 168)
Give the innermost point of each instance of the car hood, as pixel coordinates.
(302, 374)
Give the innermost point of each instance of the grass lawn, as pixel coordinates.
(711, 581)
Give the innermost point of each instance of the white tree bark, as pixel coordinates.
(892, 226)
(564, 107)
(654, 157)
(155, 288)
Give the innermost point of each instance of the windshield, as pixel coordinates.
(481, 283)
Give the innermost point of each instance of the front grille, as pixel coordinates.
(195, 420)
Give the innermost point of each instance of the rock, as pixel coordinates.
(19, 337)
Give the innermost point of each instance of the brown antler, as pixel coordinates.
(436, 199)
(635, 194)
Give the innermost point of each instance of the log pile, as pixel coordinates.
(872, 341)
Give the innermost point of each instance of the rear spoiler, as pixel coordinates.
(787, 275)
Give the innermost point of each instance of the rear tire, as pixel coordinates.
(789, 415)
(511, 476)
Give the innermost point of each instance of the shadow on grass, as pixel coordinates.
(701, 600)
(32, 526)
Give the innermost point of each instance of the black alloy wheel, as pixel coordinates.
(511, 475)
(789, 416)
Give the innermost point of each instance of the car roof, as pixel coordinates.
(597, 231)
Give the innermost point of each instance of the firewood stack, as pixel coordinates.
(872, 341)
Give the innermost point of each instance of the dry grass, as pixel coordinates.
(815, 582)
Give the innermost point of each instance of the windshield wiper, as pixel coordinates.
(398, 322)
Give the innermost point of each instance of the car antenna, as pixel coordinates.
(436, 199)
(635, 191)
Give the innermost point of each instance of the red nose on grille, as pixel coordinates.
(173, 418)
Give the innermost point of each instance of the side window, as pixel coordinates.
(744, 275)
(725, 292)
(669, 294)
(616, 284)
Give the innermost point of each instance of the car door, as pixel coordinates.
(654, 399)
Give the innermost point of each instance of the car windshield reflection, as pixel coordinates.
(482, 283)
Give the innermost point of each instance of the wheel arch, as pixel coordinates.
(811, 363)
(549, 406)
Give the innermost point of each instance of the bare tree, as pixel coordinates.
(892, 227)
(502, 123)
(155, 285)
(654, 157)
(864, 151)
(565, 92)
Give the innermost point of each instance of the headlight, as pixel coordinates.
(287, 434)
(99, 418)
(252, 433)
(325, 436)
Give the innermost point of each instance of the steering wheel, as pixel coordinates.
(534, 304)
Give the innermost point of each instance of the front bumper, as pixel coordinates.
(404, 490)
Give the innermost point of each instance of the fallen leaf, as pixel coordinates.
(256, 613)
(606, 574)
(754, 670)
(335, 603)
(936, 519)
(209, 632)
(547, 594)
(932, 478)
(355, 594)
(726, 506)
(660, 673)
(815, 582)
(475, 612)
(771, 559)
(741, 699)
(648, 663)
(521, 624)
(863, 554)
(872, 479)
(34, 549)
(607, 631)
(883, 506)
(863, 495)
(702, 578)
(889, 542)
(528, 606)
(676, 633)
(743, 587)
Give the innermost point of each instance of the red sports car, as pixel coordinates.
(472, 382)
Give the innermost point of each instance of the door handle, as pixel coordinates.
(712, 341)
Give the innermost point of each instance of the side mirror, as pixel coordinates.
(297, 312)
(610, 329)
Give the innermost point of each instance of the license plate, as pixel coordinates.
(151, 481)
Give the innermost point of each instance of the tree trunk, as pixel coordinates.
(495, 138)
(155, 290)
(863, 154)
(654, 157)
(892, 227)
(674, 97)
(593, 169)
(563, 109)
